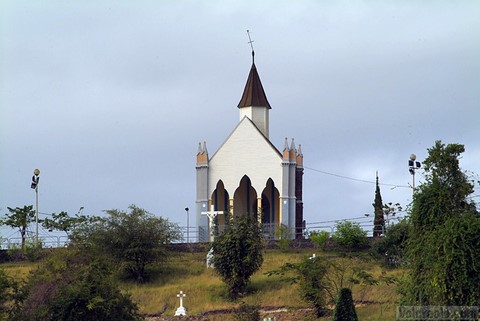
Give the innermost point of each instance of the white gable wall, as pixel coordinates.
(245, 152)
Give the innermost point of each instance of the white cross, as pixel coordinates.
(312, 257)
(181, 295)
(181, 310)
(211, 219)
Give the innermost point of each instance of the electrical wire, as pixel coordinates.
(355, 179)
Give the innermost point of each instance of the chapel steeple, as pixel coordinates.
(254, 103)
(253, 94)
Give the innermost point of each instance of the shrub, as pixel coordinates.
(72, 286)
(345, 309)
(350, 235)
(391, 247)
(134, 239)
(8, 294)
(311, 276)
(319, 238)
(284, 235)
(238, 254)
(247, 312)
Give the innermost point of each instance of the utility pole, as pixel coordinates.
(35, 180)
(188, 226)
(412, 167)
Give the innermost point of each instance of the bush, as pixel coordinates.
(247, 312)
(8, 294)
(319, 238)
(391, 247)
(311, 276)
(72, 286)
(350, 235)
(134, 239)
(283, 235)
(345, 309)
(238, 254)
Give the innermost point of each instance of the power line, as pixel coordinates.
(355, 179)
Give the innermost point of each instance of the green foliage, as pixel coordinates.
(392, 245)
(378, 221)
(350, 235)
(391, 209)
(8, 294)
(319, 238)
(238, 254)
(311, 275)
(442, 250)
(20, 218)
(247, 312)
(320, 281)
(345, 308)
(74, 286)
(67, 224)
(32, 251)
(283, 235)
(133, 239)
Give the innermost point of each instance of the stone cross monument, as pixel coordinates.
(181, 309)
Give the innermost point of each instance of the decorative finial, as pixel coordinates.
(205, 147)
(250, 41)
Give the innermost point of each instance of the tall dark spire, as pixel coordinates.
(253, 94)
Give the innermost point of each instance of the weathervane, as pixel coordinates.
(250, 41)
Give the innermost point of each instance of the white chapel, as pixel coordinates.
(248, 175)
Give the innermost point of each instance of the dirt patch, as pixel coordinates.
(275, 313)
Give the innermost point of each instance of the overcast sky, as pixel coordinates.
(109, 99)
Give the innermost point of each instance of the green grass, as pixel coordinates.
(206, 292)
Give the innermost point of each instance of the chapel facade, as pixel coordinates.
(248, 175)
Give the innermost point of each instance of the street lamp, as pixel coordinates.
(35, 180)
(188, 226)
(412, 167)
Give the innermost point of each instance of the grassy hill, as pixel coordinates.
(205, 292)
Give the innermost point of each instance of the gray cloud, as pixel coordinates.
(110, 99)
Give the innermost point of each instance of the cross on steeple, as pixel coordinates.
(250, 41)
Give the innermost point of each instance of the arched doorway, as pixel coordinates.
(245, 199)
(270, 208)
(220, 199)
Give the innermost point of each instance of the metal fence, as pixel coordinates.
(191, 235)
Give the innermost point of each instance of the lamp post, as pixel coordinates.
(35, 180)
(188, 226)
(412, 167)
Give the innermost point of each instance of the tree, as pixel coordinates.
(134, 239)
(350, 235)
(320, 281)
(20, 218)
(345, 309)
(65, 223)
(319, 238)
(311, 275)
(74, 286)
(379, 221)
(238, 254)
(442, 250)
(392, 245)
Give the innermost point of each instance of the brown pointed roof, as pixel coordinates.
(253, 94)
